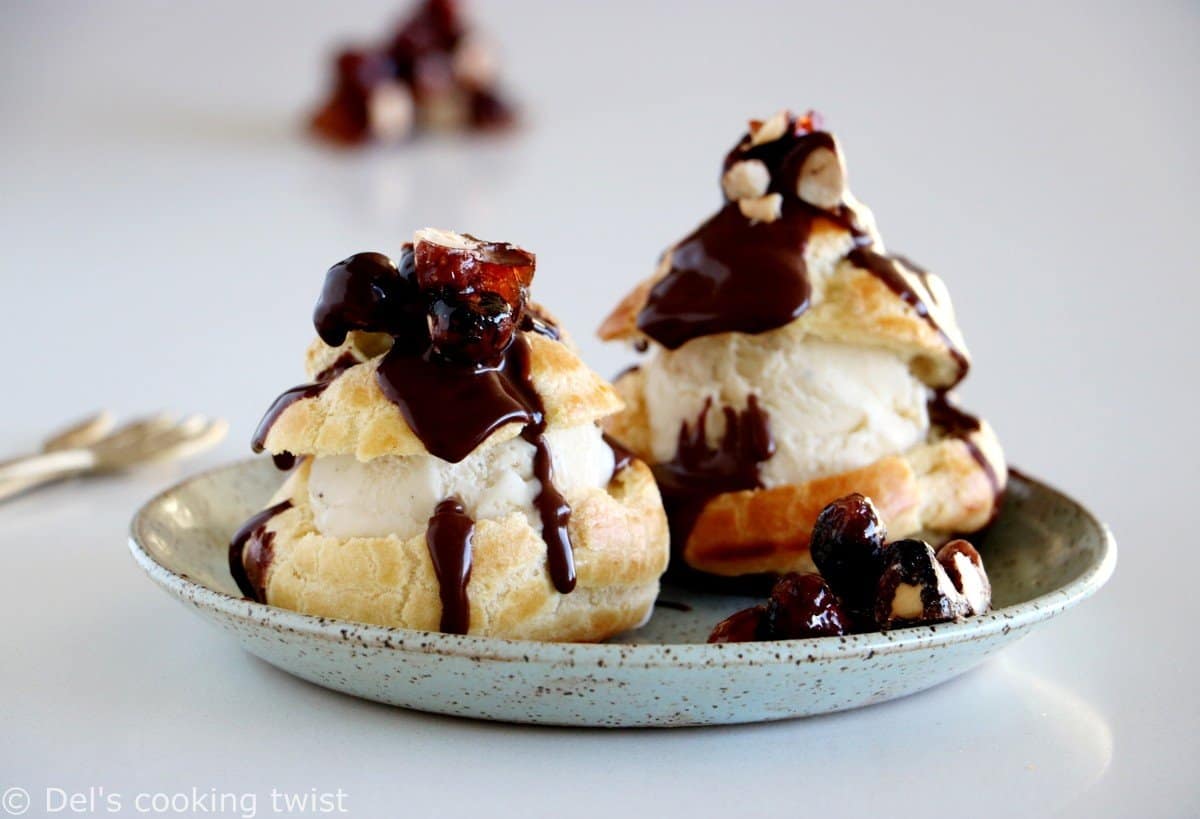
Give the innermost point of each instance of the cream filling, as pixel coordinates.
(832, 407)
(394, 495)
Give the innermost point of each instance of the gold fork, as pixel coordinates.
(92, 446)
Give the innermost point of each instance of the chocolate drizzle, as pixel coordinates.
(459, 369)
(955, 422)
(733, 274)
(250, 552)
(449, 539)
(698, 472)
(886, 268)
(622, 457)
(733, 465)
(289, 397)
(454, 409)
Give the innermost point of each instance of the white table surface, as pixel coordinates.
(165, 228)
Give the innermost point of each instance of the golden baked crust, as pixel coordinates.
(353, 416)
(936, 488)
(620, 544)
(848, 304)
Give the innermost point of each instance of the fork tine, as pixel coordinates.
(137, 429)
(186, 438)
(168, 435)
(81, 433)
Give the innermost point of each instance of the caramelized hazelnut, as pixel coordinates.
(915, 589)
(740, 627)
(964, 567)
(847, 546)
(470, 329)
(803, 605)
(367, 291)
(468, 265)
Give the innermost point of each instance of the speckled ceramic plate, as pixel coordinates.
(1045, 554)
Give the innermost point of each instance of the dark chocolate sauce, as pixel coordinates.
(453, 409)
(886, 269)
(735, 275)
(552, 507)
(449, 540)
(250, 552)
(671, 604)
(298, 393)
(955, 422)
(622, 457)
(456, 381)
(699, 472)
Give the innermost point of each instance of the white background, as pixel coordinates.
(165, 227)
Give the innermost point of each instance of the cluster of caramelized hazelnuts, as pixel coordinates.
(453, 297)
(865, 583)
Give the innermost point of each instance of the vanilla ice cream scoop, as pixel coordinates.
(832, 407)
(397, 495)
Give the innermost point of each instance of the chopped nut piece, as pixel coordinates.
(915, 589)
(964, 567)
(763, 209)
(770, 130)
(747, 179)
(822, 180)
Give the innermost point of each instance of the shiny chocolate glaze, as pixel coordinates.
(733, 274)
(449, 539)
(250, 552)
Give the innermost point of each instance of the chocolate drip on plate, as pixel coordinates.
(449, 538)
(250, 552)
(671, 604)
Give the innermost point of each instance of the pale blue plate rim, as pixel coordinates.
(1019, 616)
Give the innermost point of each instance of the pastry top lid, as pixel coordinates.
(792, 246)
(440, 352)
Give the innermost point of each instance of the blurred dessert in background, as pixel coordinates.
(793, 360)
(434, 73)
(449, 470)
